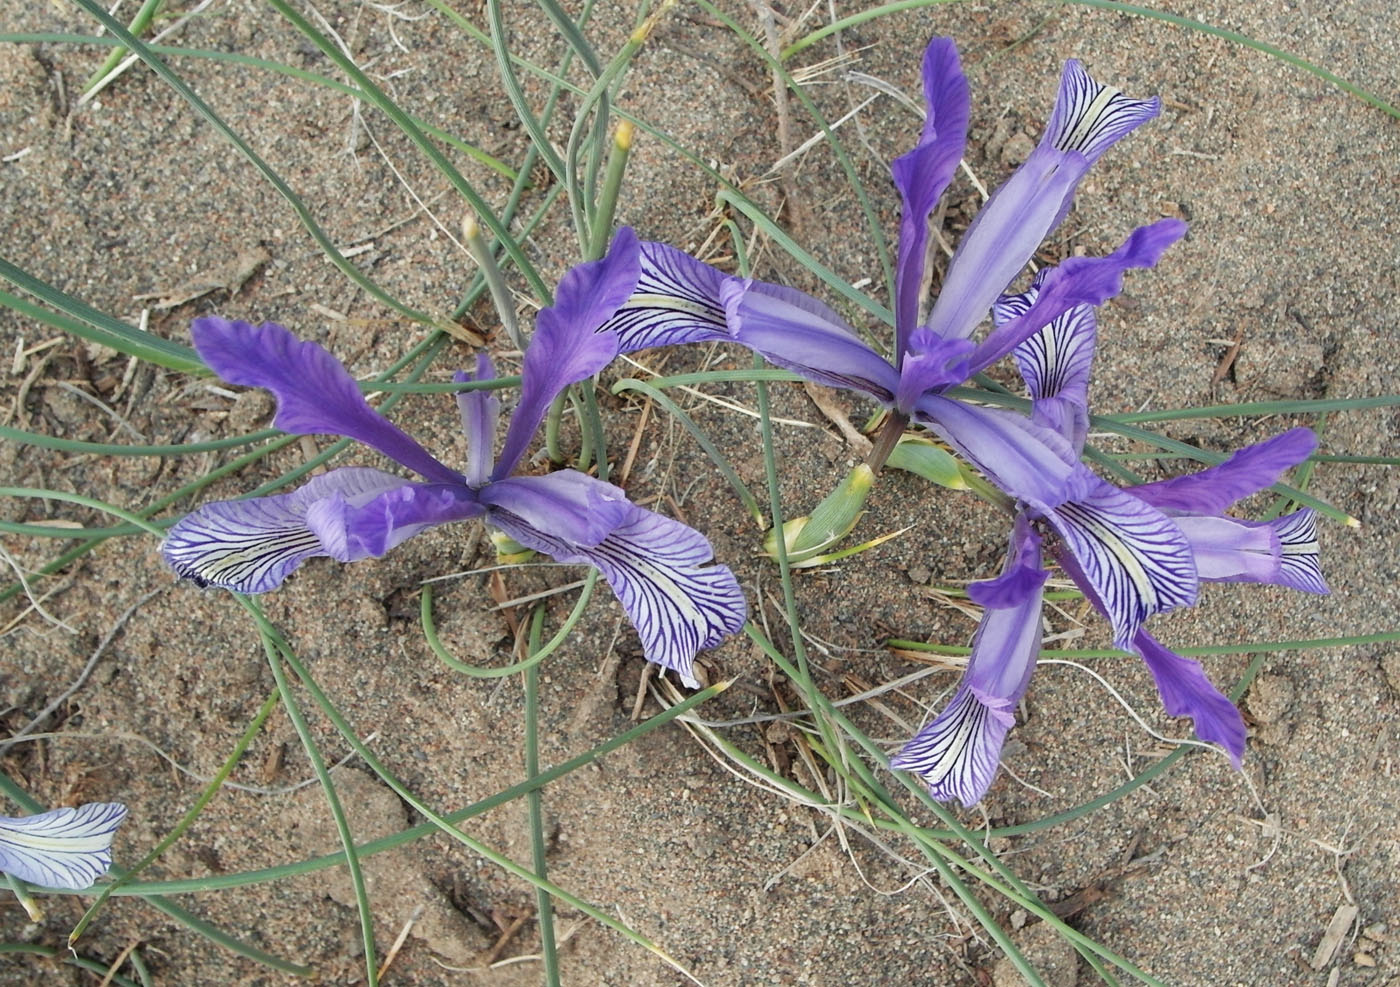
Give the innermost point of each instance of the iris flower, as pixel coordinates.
(61, 848)
(957, 753)
(1138, 561)
(655, 565)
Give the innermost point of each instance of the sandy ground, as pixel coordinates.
(1203, 877)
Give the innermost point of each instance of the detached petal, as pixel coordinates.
(1251, 469)
(796, 332)
(61, 848)
(654, 564)
(250, 546)
(567, 345)
(921, 176)
(1186, 691)
(1055, 363)
(315, 394)
(1079, 281)
(677, 300)
(1129, 558)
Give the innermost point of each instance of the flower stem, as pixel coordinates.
(886, 440)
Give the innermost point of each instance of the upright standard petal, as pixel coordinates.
(1186, 691)
(677, 300)
(1251, 469)
(480, 409)
(958, 752)
(61, 848)
(798, 333)
(250, 546)
(655, 565)
(1129, 558)
(922, 174)
(315, 393)
(1079, 281)
(566, 346)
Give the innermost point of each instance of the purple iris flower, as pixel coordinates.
(655, 565)
(957, 753)
(61, 848)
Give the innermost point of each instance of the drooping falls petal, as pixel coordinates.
(1129, 558)
(677, 300)
(250, 546)
(1029, 462)
(1299, 567)
(1078, 281)
(480, 409)
(315, 394)
(922, 174)
(566, 346)
(1090, 117)
(1282, 551)
(1055, 362)
(1251, 469)
(61, 848)
(655, 565)
(1186, 691)
(798, 333)
(957, 754)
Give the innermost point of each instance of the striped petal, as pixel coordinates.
(1055, 363)
(61, 848)
(1090, 117)
(957, 754)
(656, 566)
(1251, 469)
(1132, 560)
(250, 546)
(1186, 691)
(796, 332)
(567, 346)
(1299, 567)
(315, 394)
(922, 174)
(677, 300)
(1282, 551)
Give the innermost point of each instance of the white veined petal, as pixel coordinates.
(957, 754)
(676, 300)
(1299, 565)
(62, 848)
(1089, 116)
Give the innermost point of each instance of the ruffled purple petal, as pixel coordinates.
(1029, 462)
(351, 529)
(1186, 691)
(315, 394)
(676, 300)
(1078, 281)
(1055, 363)
(1129, 558)
(655, 565)
(796, 332)
(250, 546)
(922, 174)
(1251, 469)
(480, 409)
(957, 754)
(61, 848)
(566, 346)
(1090, 117)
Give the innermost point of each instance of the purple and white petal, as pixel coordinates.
(1029, 462)
(1055, 363)
(922, 174)
(1090, 117)
(957, 754)
(250, 546)
(1299, 567)
(1078, 281)
(1251, 469)
(566, 346)
(1283, 551)
(480, 409)
(315, 394)
(62, 848)
(655, 565)
(796, 332)
(351, 528)
(1129, 558)
(676, 300)
(1186, 691)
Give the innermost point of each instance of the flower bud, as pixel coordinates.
(806, 537)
